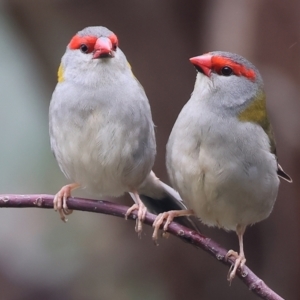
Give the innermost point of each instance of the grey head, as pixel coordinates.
(233, 80)
(91, 53)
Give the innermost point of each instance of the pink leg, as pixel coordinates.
(60, 200)
(142, 210)
(240, 259)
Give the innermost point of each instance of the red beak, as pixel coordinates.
(103, 48)
(202, 63)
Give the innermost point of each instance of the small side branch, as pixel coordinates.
(254, 283)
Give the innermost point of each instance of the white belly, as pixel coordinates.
(106, 159)
(220, 179)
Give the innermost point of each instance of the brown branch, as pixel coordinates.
(254, 283)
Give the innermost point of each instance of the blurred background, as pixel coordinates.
(100, 257)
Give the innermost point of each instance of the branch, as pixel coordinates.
(254, 283)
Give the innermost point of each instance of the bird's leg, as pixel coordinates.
(60, 200)
(240, 259)
(142, 210)
(168, 216)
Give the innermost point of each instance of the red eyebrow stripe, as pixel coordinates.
(114, 39)
(77, 41)
(219, 62)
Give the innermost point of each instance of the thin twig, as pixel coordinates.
(254, 283)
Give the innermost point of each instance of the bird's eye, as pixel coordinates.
(226, 71)
(114, 47)
(114, 41)
(84, 48)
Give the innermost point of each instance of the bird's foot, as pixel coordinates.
(60, 200)
(141, 214)
(240, 261)
(169, 217)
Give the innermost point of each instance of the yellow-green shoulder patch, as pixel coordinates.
(256, 112)
(60, 74)
(131, 69)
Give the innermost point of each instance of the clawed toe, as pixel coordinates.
(141, 214)
(60, 201)
(130, 210)
(240, 261)
(168, 217)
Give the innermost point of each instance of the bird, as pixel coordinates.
(221, 153)
(101, 129)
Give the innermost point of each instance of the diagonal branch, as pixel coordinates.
(254, 283)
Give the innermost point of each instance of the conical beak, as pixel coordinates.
(103, 48)
(202, 63)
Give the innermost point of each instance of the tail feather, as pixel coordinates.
(282, 174)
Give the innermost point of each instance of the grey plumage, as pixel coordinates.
(100, 123)
(221, 151)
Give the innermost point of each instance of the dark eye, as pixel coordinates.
(226, 71)
(84, 48)
(114, 47)
(114, 41)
